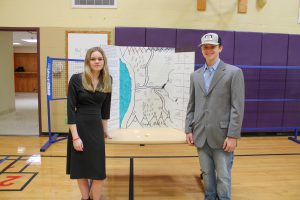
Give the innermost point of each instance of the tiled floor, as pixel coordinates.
(24, 121)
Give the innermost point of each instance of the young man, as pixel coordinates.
(214, 117)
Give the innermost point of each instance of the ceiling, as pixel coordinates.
(19, 35)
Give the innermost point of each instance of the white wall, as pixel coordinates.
(7, 90)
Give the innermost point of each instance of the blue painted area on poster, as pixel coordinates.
(125, 90)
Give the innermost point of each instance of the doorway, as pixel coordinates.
(26, 119)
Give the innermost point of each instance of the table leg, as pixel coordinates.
(131, 183)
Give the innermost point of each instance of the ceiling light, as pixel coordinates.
(30, 40)
(16, 43)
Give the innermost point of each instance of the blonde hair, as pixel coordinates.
(104, 84)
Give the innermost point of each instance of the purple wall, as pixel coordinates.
(272, 81)
(161, 37)
(125, 36)
(247, 48)
(291, 115)
(247, 51)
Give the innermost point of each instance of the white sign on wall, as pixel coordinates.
(79, 42)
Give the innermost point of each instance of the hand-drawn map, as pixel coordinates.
(150, 86)
(153, 87)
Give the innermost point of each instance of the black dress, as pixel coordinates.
(86, 109)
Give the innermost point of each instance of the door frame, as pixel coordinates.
(37, 30)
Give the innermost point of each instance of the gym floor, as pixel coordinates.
(264, 168)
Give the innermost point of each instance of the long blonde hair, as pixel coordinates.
(104, 84)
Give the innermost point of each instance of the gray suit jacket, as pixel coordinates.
(218, 113)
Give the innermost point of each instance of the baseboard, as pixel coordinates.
(265, 134)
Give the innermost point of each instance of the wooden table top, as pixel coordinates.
(146, 136)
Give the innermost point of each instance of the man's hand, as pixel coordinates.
(189, 138)
(229, 144)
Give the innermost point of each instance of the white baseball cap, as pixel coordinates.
(210, 38)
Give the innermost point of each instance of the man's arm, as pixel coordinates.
(190, 113)
(237, 111)
(237, 105)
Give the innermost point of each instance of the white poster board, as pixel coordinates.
(79, 42)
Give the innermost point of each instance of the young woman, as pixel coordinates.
(89, 97)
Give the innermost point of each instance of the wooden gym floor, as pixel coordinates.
(265, 168)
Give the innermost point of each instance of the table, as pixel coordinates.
(143, 136)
